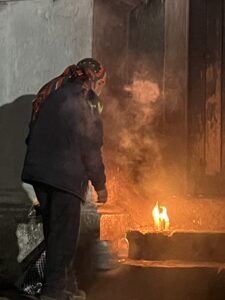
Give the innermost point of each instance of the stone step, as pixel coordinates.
(172, 264)
(141, 280)
(185, 246)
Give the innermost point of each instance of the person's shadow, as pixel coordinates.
(14, 120)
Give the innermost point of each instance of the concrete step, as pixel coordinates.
(178, 264)
(185, 246)
(141, 280)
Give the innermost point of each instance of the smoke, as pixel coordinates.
(139, 148)
(134, 154)
(132, 144)
(139, 158)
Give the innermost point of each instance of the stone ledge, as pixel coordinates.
(141, 283)
(187, 246)
(175, 264)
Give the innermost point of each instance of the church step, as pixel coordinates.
(177, 280)
(186, 246)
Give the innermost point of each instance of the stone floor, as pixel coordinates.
(154, 281)
(132, 280)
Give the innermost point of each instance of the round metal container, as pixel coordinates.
(103, 257)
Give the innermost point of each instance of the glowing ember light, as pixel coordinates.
(160, 217)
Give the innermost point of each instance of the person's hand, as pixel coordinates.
(102, 196)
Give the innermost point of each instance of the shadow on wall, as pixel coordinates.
(14, 120)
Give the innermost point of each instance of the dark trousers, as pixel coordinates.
(61, 218)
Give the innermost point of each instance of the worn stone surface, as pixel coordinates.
(110, 30)
(28, 237)
(176, 93)
(140, 283)
(38, 39)
(9, 248)
(131, 282)
(206, 135)
(146, 41)
(20, 235)
(186, 246)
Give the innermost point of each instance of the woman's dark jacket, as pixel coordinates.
(64, 142)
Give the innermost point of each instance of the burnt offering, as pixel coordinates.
(160, 217)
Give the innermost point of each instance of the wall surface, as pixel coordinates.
(110, 31)
(158, 48)
(146, 40)
(146, 71)
(206, 131)
(175, 91)
(38, 39)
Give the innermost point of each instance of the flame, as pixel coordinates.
(160, 217)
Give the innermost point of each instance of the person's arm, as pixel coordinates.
(91, 141)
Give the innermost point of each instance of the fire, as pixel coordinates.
(160, 217)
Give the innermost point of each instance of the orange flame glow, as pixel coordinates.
(160, 217)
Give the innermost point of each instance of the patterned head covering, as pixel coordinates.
(86, 69)
(92, 68)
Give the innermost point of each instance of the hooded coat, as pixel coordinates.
(65, 140)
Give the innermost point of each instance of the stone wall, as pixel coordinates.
(110, 38)
(38, 39)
